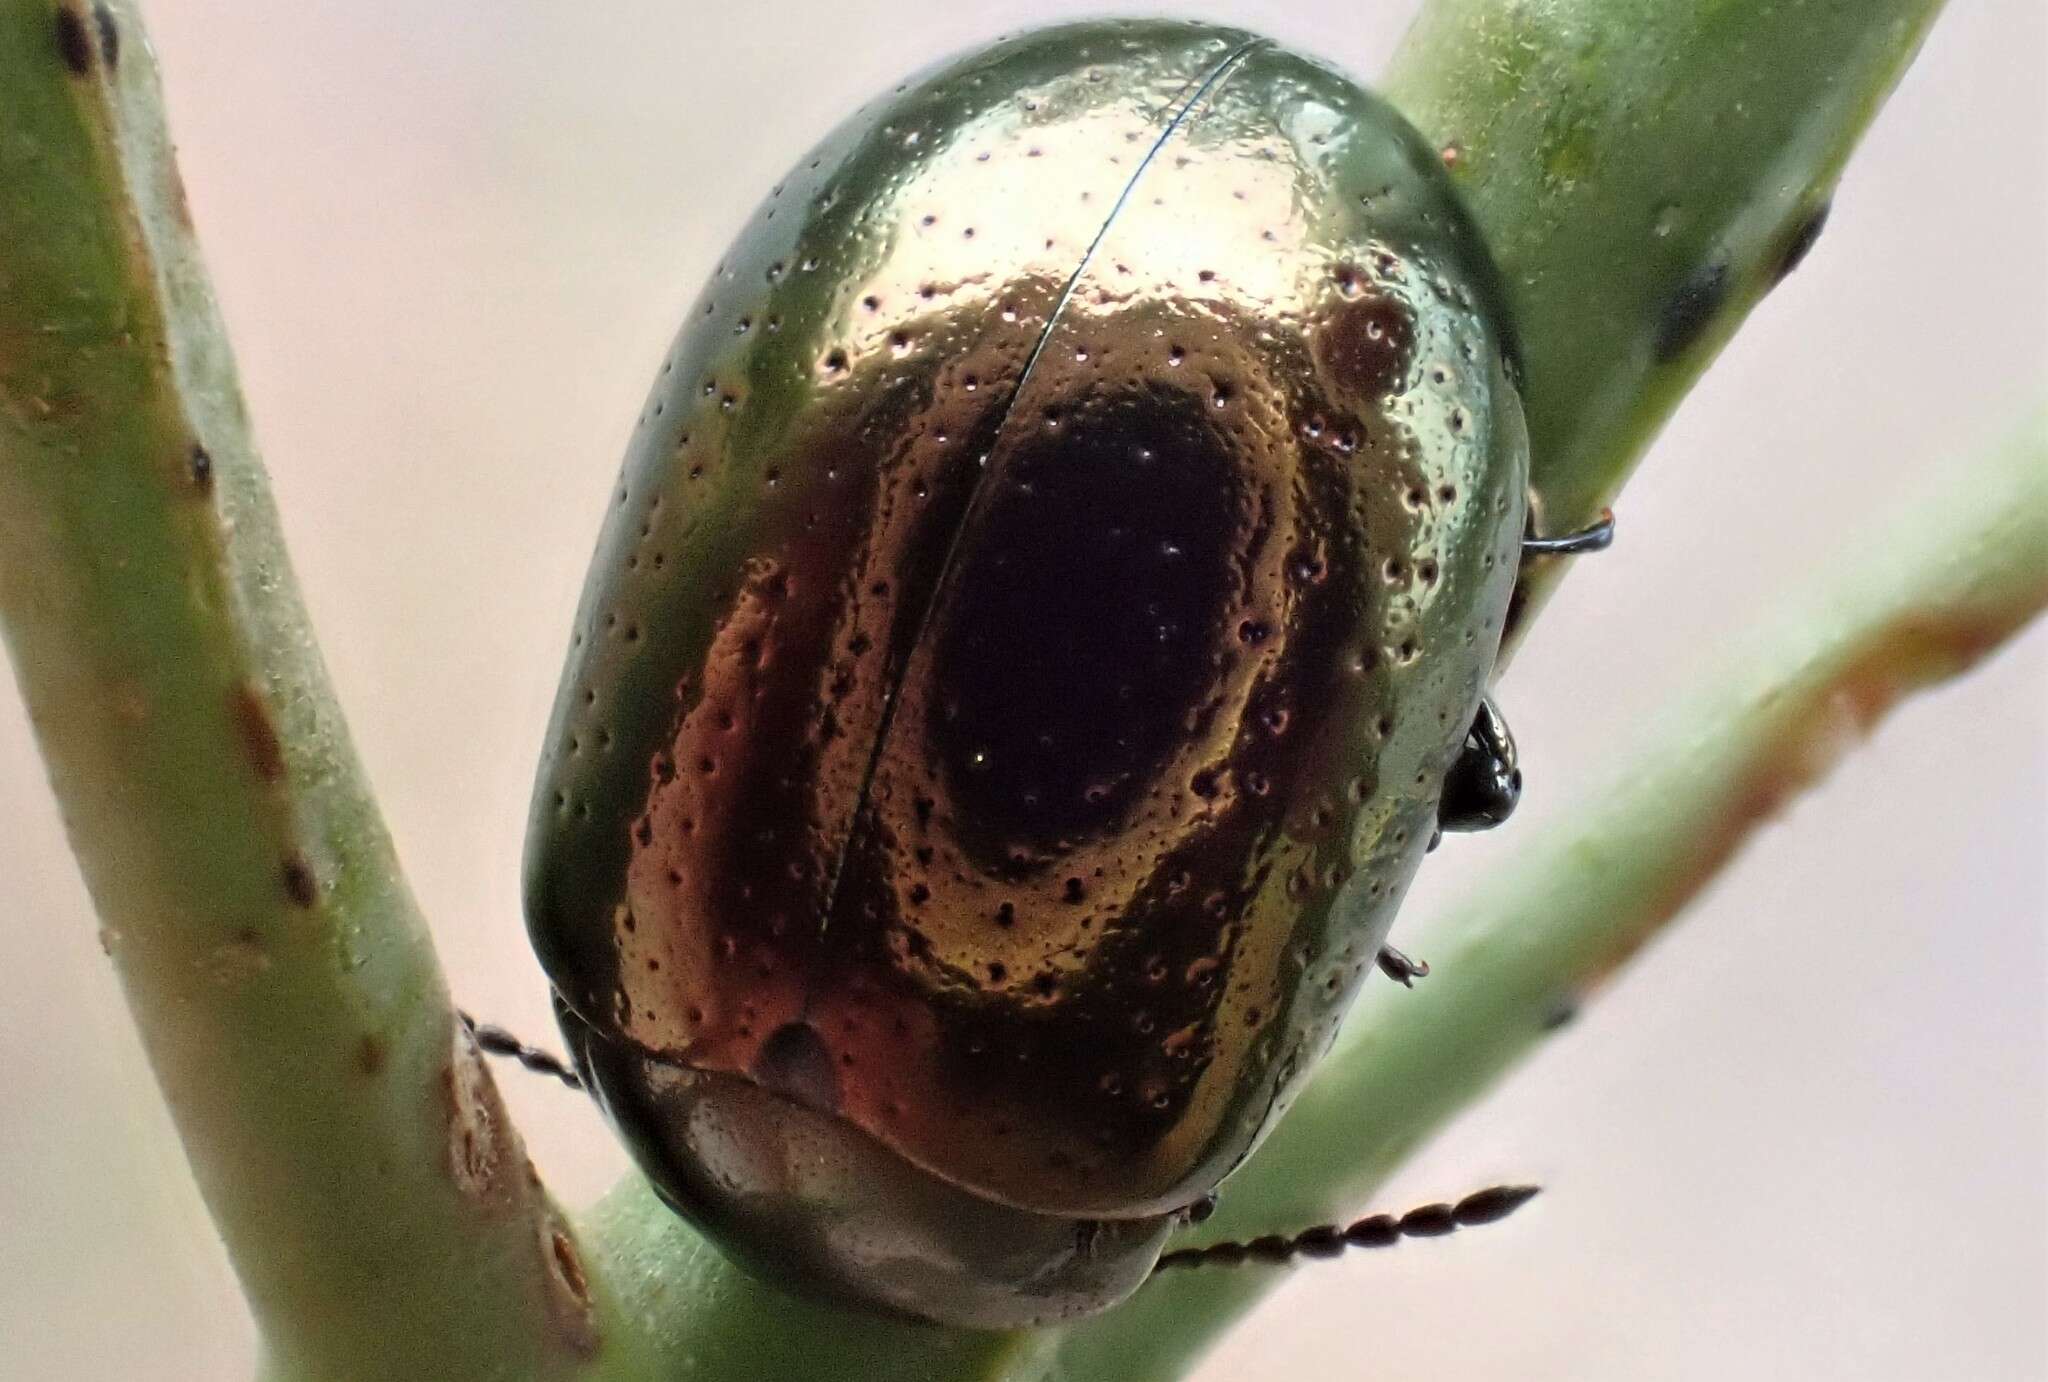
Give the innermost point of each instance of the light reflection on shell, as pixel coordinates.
(1061, 554)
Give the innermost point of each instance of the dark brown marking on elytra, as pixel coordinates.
(200, 465)
(1368, 347)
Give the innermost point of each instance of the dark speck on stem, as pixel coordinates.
(201, 463)
(1689, 310)
(1801, 243)
(299, 884)
(110, 35)
(74, 44)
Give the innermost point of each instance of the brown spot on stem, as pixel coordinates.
(568, 1292)
(181, 205)
(569, 1265)
(471, 1104)
(259, 732)
(74, 41)
(240, 959)
(1813, 732)
(299, 883)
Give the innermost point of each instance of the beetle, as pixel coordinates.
(1041, 624)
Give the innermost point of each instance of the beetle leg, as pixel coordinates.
(1400, 968)
(1596, 538)
(496, 1041)
(1375, 1231)
(1483, 785)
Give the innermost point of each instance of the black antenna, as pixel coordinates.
(1378, 1231)
(496, 1041)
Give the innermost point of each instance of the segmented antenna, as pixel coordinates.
(496, 1041)
(1377, 1231)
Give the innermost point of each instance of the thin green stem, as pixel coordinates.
(1645, 171)
(373, 1195)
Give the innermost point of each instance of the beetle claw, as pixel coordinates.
(1596, 537)
(1400, 968)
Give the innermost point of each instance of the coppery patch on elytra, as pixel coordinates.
(300, 883)
(371, 1054)
(1367, 347)
(260, 742)
(74, 41)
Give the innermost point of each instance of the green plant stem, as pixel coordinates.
(1955, 574)
(373, 1195)
(1644, 171)
(1641, 166)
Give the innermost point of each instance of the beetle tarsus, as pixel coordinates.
(496, 1041)
(1487, 1206)
(1400, 968)
(1483, 785)
(1597, 537)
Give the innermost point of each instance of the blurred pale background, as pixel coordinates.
(1806, 1138)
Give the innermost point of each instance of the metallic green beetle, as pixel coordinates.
(1056, 570)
